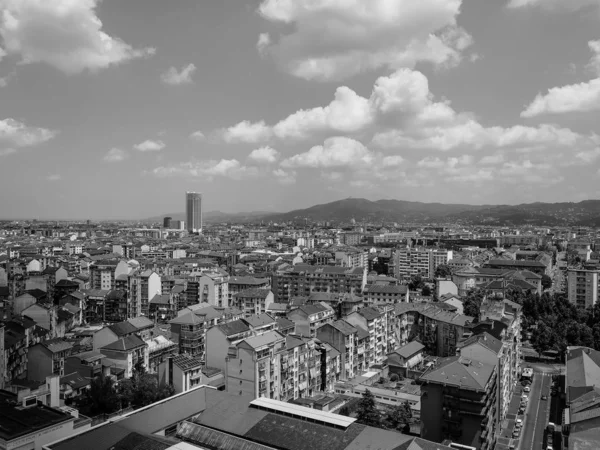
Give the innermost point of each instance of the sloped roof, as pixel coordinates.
(259, 320)
(261, 340)
(141, 322)
(284, 324)
(122, 328)
(74, 380)
(343, 326)
(459, 371)
(57, 345)
(410, 349)
(386, 289)
(188, 319)
(233, 327)
(485, 340)
(186, 362)
(125, 344)
(370, 313)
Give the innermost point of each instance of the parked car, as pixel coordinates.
(516, 433)
(527, 389)
(544, 397)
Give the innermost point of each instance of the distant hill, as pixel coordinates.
(585, 213)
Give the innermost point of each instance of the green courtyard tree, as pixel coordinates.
(443, 271)
(398, 417)
(367, 412)
(546, 282)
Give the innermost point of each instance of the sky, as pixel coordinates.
(113, 109)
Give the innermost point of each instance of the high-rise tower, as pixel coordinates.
(193, 212)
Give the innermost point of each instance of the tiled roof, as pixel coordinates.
(408, 350)
(122, 328)
(344, 327)
(284, 324)
(369, 313)
(57, 345)
(248, 280)
(125, 344)
(188, 319)
(253, 293)
(484, 339)
(75, 381)
(261, 340)
(386, 289)
(186, 362)
(234, 327)
(361, 333)
(259, 320)
(461, 372)
(141, 322)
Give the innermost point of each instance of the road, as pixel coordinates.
(536, 416)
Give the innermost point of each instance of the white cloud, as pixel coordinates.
(264, 40)
(285, 177)
(348, 112)
(150, 146)
(266, 155)
(403, 114)
(246, 132)
(3, 82)
(66, 34)
(580, 97)
(227, 168)
(115, 155)
(198, 136)
(492, 159)
(589, 156)
(54, 177)
(335, 152)
(7, 151)
(336, 39)
(21, 135)
(594, 64)
(570, 5)
(174, 77)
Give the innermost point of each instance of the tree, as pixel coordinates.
(366, 412)
(398, 417)
(102, 396)
(472, 303)
(426, 291)
(443, 271)
(416, 283)
(546, 282)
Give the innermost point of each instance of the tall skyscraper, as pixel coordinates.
(167, 221)
(193, 201)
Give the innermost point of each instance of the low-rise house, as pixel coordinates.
(126, 353)
(112, 333)
(403, 360)
(87, 364)
(386, 293)
(183, 372)
(73, 386)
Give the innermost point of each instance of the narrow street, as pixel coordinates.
(537, 414)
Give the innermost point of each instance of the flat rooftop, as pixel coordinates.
(16, 421)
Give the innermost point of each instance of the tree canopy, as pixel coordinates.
(443, 271)
(367, 412)
(398, 417)
(546, 282)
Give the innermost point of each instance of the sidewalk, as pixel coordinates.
(505, 437)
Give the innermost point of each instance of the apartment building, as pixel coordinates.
(220, 338)
(474, 277)
(409, 262)
(343, 337)
(47, 358)
(330, 367)
(188, 331)
(253, 301)
(385, 293)
(143, 287)
(125, 354)
(371, 320)
(509, 314)
(236, 285)
(459, 402)
(302, 280)
(309, 318)
(351, 258)
(104, 273)
(213, 288)
(183, 372)
(583, 287)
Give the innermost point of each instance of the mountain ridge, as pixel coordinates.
(585, 213)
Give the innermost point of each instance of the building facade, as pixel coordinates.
(193, 212)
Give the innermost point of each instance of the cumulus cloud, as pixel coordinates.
(54, 177)
(264, 40)
(7, 151)
(402, 113)
(174, 77)
(335, 152)
(580, 97)
(198, 136)
(588, 156)
(115, 155)
(150, 146)
(247, 132)
(66, 34)
(336, 39)
(265, 155)
(20, 135)
(284, 177)
(227, 168)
